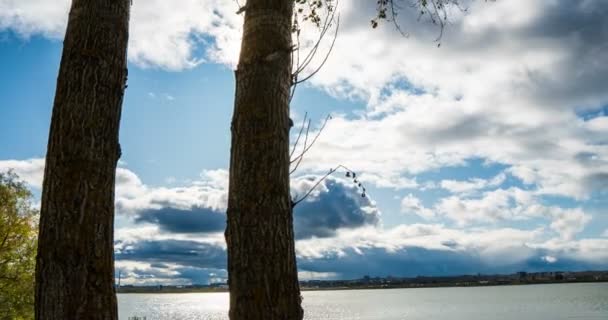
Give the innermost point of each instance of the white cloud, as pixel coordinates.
(163, 34)
(484, 249)
(29, 17)
(427, 236)
(522, 116)
(132, 196)
(502, 92)
(590, 250)
(507, 86)
(525, 174)
(313, 275)
(568, 222)
(419, 246)
(474, 184)
(169, 34)
(31, 171)
(493, 206)
(148, 251)
(411, 204)
(550, 259)
(503, 205)
(599, 124)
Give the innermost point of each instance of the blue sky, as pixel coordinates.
(488, 154)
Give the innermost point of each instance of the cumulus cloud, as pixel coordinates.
(163, 34)
(335, 204)
(539, 65)
(182, 252)
(498, 206)
(419, 249)
(190, 220)
(504, 87)
(200, 207)
(511, 205)
(181, 35)
(411, 204)
(549, 259)
(474, 184)
(568, 222)
(31, 171)
(133, 197)
(169, 261)
(514, 83)
(34, 16)
(341, 235)
(144, 273)
(434, 249)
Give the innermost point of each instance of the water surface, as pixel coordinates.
(588, 301)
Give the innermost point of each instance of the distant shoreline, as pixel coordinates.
(367, 283)
(191, 290)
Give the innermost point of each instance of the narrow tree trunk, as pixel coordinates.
(75, 262)
(262, 270)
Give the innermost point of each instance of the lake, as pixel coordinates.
(525, 302)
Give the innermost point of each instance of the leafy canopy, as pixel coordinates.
(18, 239)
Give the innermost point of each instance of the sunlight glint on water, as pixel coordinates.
(531, 302)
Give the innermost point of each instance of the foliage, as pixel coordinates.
(310, 10)
(435, 10)
(18, 237)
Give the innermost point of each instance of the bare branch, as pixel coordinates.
(326, 25)
(313, 141)
(435, 10)
(294, 76)
(299, 135)
(299, 159)
(349, 173)
(333, 42)
(302, 65)
(295, 203)
(241, 8)
(394, 19)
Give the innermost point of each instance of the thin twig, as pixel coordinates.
(300, 158)
(313, 187)
(299, 135)
(314, 140)
(394, 18)
(326, 56)
(326, 24)
(331, 171)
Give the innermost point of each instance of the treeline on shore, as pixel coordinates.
(366, 282)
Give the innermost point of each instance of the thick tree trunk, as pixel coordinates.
(75, 263)
(262, 270)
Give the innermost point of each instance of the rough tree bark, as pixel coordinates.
(75, 263)
(262, 270)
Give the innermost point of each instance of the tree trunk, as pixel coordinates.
(75, 262)
(262, 272)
